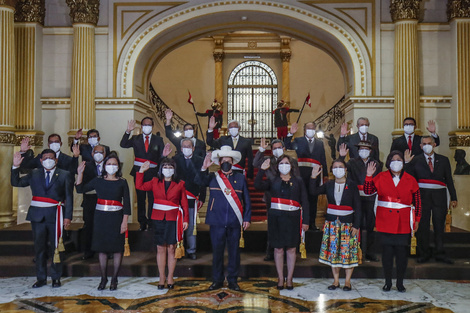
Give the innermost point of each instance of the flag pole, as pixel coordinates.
(197, 118)
(301, 110)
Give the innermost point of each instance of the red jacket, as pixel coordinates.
(176, 194)
(389, 220)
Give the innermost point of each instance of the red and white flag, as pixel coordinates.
(190, 99)
(307, 100)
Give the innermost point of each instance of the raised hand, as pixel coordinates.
(130, 125)
(17, 159)
(343, 150)
(371, 169)
(81, 168)
(169, 116)
(263, 144)
(207, 161)
(79, 134)
(431, 127)
(144, 167)
(316, 170)
(25, 144)
(344, 129)
(212, 123)
(266, 164)
(76, 150)
(294, 128)
(166, 150)
(408, 156)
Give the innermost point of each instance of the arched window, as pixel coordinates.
(252, 94)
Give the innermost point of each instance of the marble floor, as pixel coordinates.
(140, 294)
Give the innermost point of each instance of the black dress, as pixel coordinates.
(284, 226)
(107, 235)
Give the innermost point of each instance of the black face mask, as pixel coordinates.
(225, 167)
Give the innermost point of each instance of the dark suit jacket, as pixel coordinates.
(199, 148)
(352, 140)
(419, 168)
(65, 162)
(187, 174)
(401, 144)
(357, 171)
(300, 145)
(86, 150)
(243, 146)
(60, 189)
(154, 153)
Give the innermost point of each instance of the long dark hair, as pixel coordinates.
(167, 161)
(112, 155)
(293, 165)
(391, 155)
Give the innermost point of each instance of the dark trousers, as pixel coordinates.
(368, 223)
(220, 236)
(142, 210)
(44, 246)
(400, 253)
(89, 205)
(189, 233)
(438, 224)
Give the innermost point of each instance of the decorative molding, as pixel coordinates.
(405, 9)
(422, 27)
(7, 137)
(286, 55)
(459, 141)
(30, 11)
(84, 11)
(99, 30)
(458, 9)
(218, 56)
(34, 140)
(10, 3)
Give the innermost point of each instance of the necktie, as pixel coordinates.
(48, 178)
(146, 143)
(409, 143)
(430, 164)
(98, 169)
(235, 141)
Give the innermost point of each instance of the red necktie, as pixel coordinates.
(430, 164)
(146, 143)
(409, 143)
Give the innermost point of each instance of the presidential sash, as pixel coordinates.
(230, 195)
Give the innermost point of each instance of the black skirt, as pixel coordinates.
(107, 235)
(283, 229)
(165, 232)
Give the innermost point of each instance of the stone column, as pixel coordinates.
(405, 15)
(7, 112)
(218, 59)
(285, 57)
(84, 15)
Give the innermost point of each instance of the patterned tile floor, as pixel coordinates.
(137, 294)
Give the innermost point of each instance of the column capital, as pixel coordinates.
(285, 55)
(30, 11)
(458, 9)
(84, 11)
(218, 56)
(405, 9)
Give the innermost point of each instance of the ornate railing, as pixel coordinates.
(331, 118)
(160, 107)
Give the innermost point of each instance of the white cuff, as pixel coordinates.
(261, 149)
(435, 135)
(210, 130)
(14, 167)
(75, 141)
(290, 135)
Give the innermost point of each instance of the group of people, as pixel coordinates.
(171, 190)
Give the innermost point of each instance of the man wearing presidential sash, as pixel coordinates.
(228, 211)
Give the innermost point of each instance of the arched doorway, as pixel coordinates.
(252, 93)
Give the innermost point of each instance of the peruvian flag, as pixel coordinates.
(307, 100)
(190, 99)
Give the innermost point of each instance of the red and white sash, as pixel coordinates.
(339, 210)
(308, 162)
(108, 205)
(238, 167)
(165, 205)
(42, 202)
(434, 184)
(230, 195)
(197, 204)
(388, 203)
(140, 162)
(284, 204)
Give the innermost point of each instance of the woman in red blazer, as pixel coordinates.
(169, 202)
(398, 213)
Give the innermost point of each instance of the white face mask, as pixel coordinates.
(55, 146)
(93, 141)
(48, 164)
(284, 168)
(427, 149)
(189, 133)
(111, 169)
(233, 131)
(363, 129)
(278, 152)
(396, 166)
(98, 157)
(339, 172)
(147, 129)
(364, 153)
(409, 129)
(168, 172)
(187, 152)
(310, 133)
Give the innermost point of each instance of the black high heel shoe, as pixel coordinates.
(387, 287)
(113, 285)
(401, 288)
(102, 284)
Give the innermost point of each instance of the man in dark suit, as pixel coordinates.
(188, 132)
(147, 147)
(310, 153)
(411, 141)
(52, 190)
(92, 169)
(353, 140)
(433, 173)
(188, 165)
(93, 139)
(237, 142)
(64, 162)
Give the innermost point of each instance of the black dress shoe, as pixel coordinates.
(269, 258)
(233, 286)
(401, 288)
(161, 287)
(113, 285)
(445, 260)
(39, 283)
(290, 287)
(87, 255)
(192, 256)
(387, 287)
(171, 286)
(143, 227)
(280, 287)
(347, 288)
(56, 283)
(102, 284)
(372, 258)
(333, 287)
(216, 285)
(422, 260)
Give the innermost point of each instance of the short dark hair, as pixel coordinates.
(167, 161)
(188, 124)
(48, 151)
(53, 135)
(338, 161)
(391, 155)
(409, 119)
(112, 155)
(147, 118)
(293, 165)
(91, 131)
(314, 124)
(277, 141)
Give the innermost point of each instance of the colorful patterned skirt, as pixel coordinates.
(338, 248)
